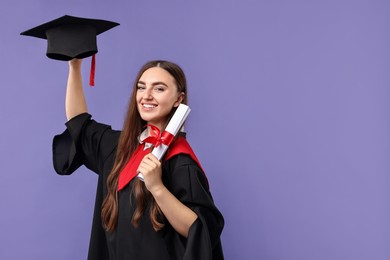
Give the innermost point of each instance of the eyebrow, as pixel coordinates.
(154, 83)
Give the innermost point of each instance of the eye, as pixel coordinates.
(159, 89)
(141, 88)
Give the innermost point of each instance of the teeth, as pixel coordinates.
(148, 105)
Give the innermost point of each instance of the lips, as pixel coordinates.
(149, 105)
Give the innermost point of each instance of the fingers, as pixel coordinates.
(149, 163)
(75, 63)
(151, 160)
(150, 167)
(151, 157)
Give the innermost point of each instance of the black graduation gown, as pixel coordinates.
(87, 142)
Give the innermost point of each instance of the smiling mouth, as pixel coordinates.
(149, 105)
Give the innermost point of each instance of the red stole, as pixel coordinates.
(129, 172)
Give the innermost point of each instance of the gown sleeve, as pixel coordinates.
(189, 184)
(84, 142)
(87, 142)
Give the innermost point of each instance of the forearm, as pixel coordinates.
(179, 215)
(75, 103)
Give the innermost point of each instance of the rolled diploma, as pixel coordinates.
(174, 125)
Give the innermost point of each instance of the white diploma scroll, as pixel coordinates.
(173, 127)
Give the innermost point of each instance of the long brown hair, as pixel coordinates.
(128, 141)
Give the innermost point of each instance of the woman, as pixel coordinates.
(171, 215)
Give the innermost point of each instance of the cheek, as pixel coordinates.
(169, 103)
(137, 97)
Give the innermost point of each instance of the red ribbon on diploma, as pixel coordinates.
(156, 139)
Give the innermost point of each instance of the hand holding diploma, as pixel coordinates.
(173, 127)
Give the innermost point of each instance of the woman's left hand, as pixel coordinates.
(150, 167)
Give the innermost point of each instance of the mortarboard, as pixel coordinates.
(70, 37)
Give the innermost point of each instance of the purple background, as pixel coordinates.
(290, 120)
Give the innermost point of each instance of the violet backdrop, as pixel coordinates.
(290, 119)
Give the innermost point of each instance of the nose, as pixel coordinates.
(147, 94)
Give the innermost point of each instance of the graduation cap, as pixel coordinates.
(70, 37)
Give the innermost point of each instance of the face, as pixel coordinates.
(156, 96)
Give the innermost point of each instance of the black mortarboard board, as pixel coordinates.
(70, 37)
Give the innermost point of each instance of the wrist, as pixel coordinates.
(158, 190)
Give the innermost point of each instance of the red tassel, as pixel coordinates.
(92, 73)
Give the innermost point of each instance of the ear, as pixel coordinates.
(180, 98)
